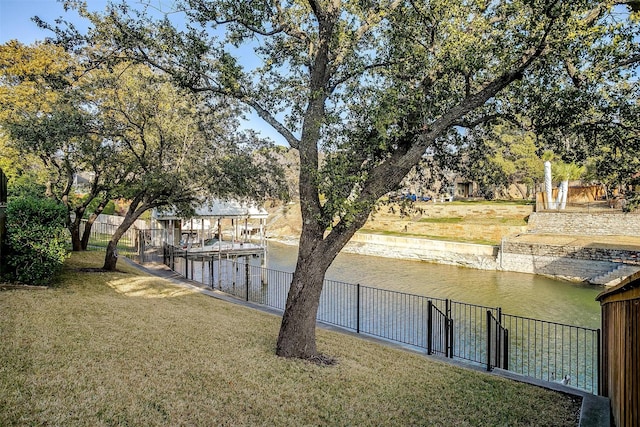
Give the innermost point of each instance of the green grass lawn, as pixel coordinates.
(126, 348)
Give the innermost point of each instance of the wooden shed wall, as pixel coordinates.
(621, 356)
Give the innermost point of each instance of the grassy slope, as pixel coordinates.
(129, 349)
(483, 222)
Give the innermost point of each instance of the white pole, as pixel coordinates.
(548, 186)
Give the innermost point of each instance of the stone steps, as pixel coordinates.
(615, 276)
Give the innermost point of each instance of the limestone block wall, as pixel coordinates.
(482, 257)
(567, 268)
(570, 262)
(573, 252)
(585, 223)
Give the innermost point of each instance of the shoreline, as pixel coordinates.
(469, 255)
(590, 260)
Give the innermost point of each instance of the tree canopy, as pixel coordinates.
(131, 131)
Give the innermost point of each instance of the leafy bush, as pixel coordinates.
(25, 185)
(36, 239)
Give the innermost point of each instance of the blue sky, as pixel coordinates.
(15, 18)
(15, 23)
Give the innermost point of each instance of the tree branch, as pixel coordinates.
(629, 61)
(358, 73)
(279, 127)
(372, 18)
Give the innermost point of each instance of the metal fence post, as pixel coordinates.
(599, 356)
(186, 264)
(499, 350)
(211, 273)
(429, 326)
(246, 276)
(358, 308)
(488, 340)
(450, 348)
(448, 330)
(505, 362)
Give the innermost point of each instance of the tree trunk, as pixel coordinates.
(111, 257)
(523, 193)
(297, 337)
(86, 234)
(74, 229)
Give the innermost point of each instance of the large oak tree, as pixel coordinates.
(173, 148)
(372, 85)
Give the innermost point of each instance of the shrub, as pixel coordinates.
(36, 239)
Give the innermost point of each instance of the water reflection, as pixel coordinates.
(516, 293)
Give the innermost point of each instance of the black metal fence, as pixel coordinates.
(497, 342)
(477, 334)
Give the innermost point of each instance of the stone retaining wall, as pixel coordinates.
(580, 263)
(569, 262)
(585, 223)
(577, 263)
(574, 263)
(572, 252)
(470, 255)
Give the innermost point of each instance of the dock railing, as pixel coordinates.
(477, 334)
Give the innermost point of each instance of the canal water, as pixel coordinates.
(518, 294)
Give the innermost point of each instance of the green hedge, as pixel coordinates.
(36, 238)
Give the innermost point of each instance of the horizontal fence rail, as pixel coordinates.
(476, 334)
